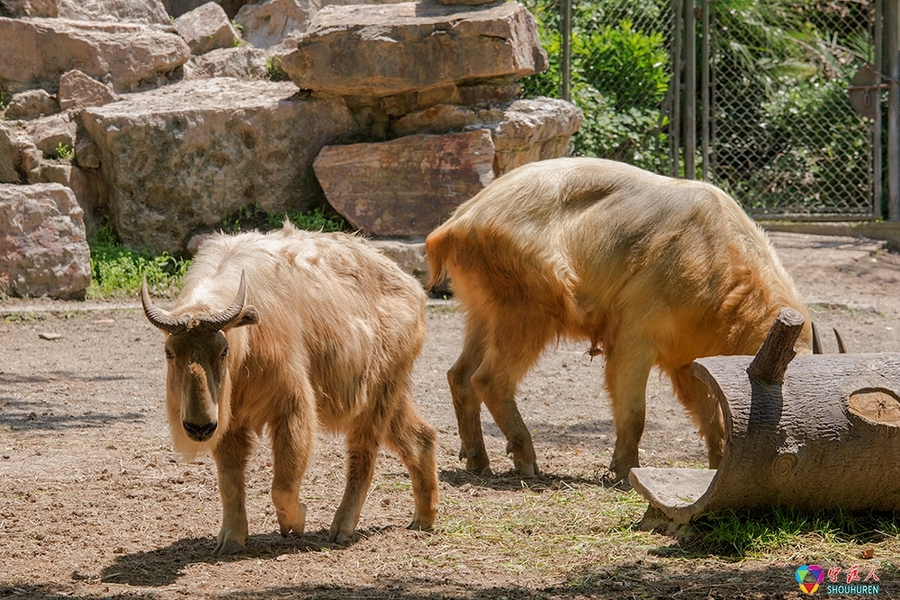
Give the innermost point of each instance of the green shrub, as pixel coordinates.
(116, 271)
(619, 79)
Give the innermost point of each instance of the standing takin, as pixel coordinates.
(296, 331)
(650, 270)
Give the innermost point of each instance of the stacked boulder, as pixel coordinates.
(394, 113)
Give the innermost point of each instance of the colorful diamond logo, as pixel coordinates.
(809, 577)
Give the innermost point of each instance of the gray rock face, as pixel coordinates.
(177, 159)
(148, 12)
(43, 249)
(206, 28)
(384, 50)
(37, 52)
(408, 186)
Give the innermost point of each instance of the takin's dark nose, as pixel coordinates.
(199, 433)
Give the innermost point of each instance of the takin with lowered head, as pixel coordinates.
(650, 270)
(296, 331)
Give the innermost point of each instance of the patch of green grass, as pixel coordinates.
(274, 70)
(253, 217)
(782, 530)
(116, 271)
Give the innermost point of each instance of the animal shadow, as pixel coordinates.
(163, 566)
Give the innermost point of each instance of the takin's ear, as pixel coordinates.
(248, 316)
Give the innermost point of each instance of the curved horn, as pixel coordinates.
(159, 317)
(221, 319)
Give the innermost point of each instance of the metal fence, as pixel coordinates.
(756, 98)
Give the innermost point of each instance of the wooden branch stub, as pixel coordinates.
(777, 350)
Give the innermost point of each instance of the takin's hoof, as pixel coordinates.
(479, 467)
(526, 469)
(611, 479)
(296, 522)
(228, 547)
(341, 539)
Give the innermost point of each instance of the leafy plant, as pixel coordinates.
(619, 79)
(274, 70)
(116, 271)
(64, 151)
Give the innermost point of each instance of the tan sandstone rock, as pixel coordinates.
(243, 62)
(39, 51)
(206, 28)
(410, 185)
(43, 248)
(384, 50)
(148, 12)
(78, 90)
(176, 160)
(31, 104)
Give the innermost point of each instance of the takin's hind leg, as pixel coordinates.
(466, 403)
(628, 365)
(705, 411)
(414, 441)
(292, 441)
(515, 344)
(363, 440)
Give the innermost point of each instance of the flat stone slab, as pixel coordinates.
(179, 158)
(383, 50)
(37, 51)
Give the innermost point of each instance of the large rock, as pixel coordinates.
(413, 183)
(31, 104)
(37, 52)
(206, 28)
(384, 50)
(176, 8)
(408, 186)
(43, 249)
(243, 62)
(78, 90)
(178, 159)
(149, 12)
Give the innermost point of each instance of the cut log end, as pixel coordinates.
(777, 350)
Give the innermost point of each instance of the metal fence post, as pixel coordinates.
(690, 89)
(892, 39)
(567, 50)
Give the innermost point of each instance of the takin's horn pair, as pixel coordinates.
(817, 344)
(174, 325)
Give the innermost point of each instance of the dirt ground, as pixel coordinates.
(95, 504)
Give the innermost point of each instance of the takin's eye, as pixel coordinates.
(170, 355)
(224, 354)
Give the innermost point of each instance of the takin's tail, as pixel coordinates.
(438, 248)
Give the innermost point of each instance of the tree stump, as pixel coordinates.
(824, 434)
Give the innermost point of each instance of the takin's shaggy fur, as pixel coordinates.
(650, 270)
(325, 338)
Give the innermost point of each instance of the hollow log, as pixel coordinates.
(828, 437)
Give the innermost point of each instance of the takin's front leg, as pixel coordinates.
(628, 367)
(292, 441)
(231, 455)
